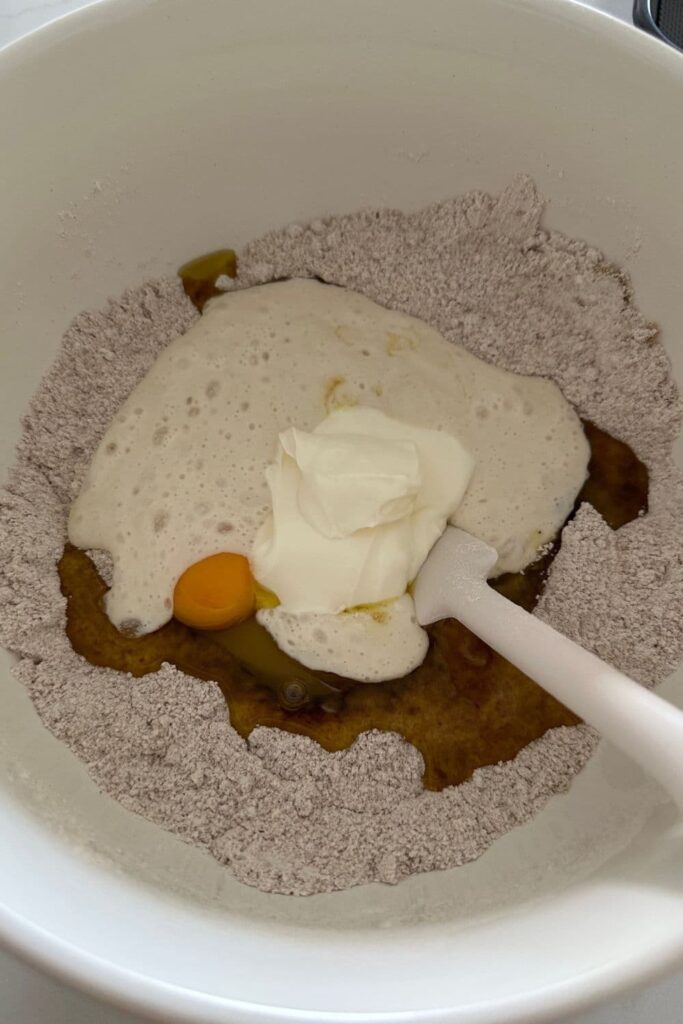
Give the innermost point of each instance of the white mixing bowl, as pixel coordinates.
(139, 133)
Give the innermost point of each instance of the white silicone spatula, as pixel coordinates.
(649, 730)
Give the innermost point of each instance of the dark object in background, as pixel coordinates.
(662, 18)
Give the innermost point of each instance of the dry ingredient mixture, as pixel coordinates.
(286, 815)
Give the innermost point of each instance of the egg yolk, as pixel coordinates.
(215, 593)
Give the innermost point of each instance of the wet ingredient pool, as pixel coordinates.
(463, 708)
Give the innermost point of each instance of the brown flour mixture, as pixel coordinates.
(284, 814)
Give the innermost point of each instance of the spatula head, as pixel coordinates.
(455, 570)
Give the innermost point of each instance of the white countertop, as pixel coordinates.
(28, 997)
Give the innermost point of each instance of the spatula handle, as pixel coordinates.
(644, 726)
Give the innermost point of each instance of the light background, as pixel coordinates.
(27, 997)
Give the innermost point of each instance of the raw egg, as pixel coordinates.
(215, 593)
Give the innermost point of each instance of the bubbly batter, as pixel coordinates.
(180, 473)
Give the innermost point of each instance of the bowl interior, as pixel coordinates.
(148, 133)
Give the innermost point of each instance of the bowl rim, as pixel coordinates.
(150, 998)
(144, 995)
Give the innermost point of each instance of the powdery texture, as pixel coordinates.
(284, 814)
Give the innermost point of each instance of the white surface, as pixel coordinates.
(20, 16)
(659, 1006)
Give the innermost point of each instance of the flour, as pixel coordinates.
(285, 815)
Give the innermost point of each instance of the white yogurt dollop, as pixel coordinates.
(357, 505)
(350, 481)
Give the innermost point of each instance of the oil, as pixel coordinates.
(463, 708)
(199, 276)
